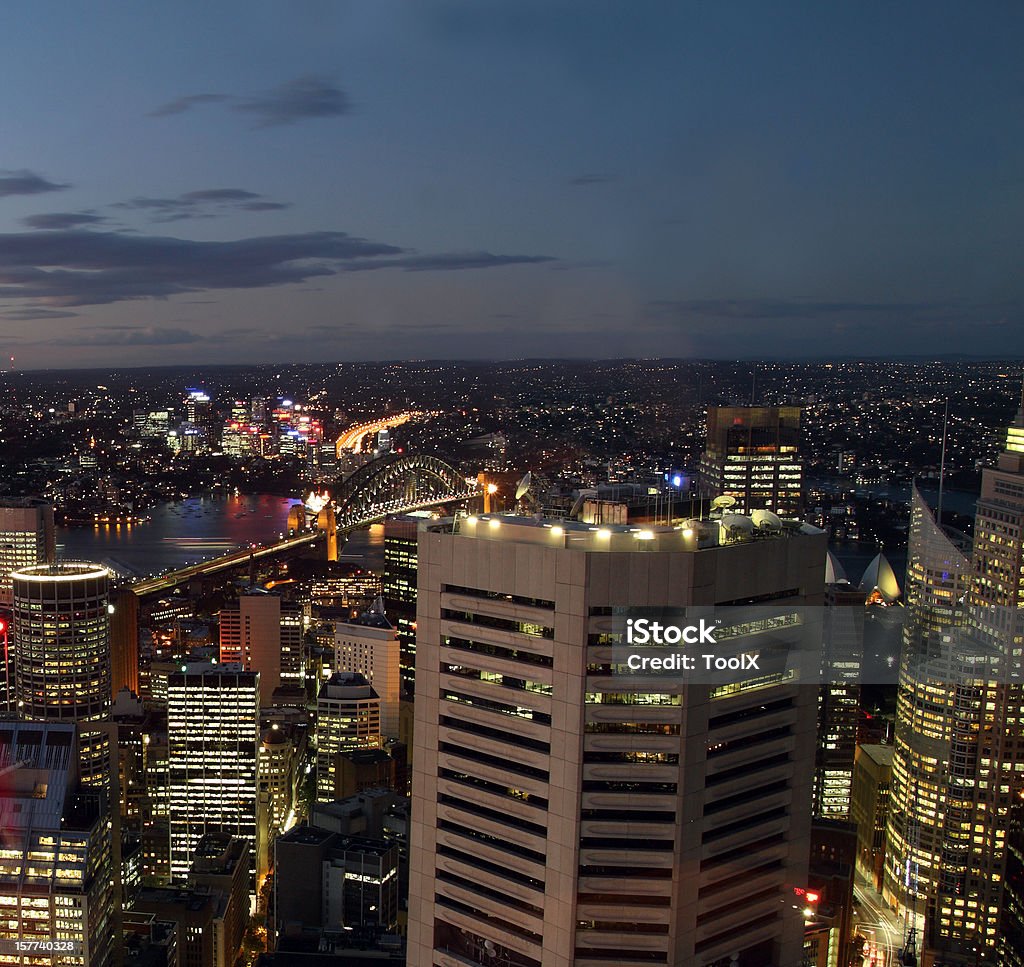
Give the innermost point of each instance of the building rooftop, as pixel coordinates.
(715, 530)
(307, 835)
(881, 754)
(350, 685)
(62, 571)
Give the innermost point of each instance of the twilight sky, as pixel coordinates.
(257, 181)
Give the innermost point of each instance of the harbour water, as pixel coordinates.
(184, 532)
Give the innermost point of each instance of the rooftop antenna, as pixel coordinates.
(753, 387)
(942, 462)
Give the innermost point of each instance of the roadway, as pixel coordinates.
(875, 921)
(170, 580)
(352, 438)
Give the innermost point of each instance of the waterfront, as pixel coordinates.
(184, 532)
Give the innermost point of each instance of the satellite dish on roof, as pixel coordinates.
(766, 520)
(524, 485)
(723, 501)
(737, 522)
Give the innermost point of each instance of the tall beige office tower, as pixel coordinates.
(753, 455)
(562, 817)
(369, 646)
(26, 538)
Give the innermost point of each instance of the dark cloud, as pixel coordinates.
(182, 104)
(220, 194)
(448, 262)
(130, 336)
(20, 314)
(205, 203)
(94, 268)
(62, 220)
(26, 183)
(265, 206)
(591, 179)
(77, 267)
(302, 99)
(298, 100)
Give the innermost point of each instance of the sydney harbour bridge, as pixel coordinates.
(389, 485)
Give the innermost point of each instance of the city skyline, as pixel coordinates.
(486, 181)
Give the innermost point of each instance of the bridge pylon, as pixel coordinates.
(326, 522)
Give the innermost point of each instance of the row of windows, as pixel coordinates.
(497, 651)
(498, 596)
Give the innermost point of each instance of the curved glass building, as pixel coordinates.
(62, 642)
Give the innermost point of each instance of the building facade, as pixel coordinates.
(213, 738)
(250, 635)
(369, 646)
(562, 818)
(347, 718)
(56, 867)
(62, 659)
(753, 455)
(27, 537)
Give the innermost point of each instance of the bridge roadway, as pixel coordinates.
(362, 518)
(165, 582)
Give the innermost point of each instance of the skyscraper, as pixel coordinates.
(939, 575)
(563, 817)
(250, 635)
(26, 538)
(753, 455)
(347, 718)
(839, 699)
(55, 861)
(62, 654)
(369, 646)
(399, 591)
(955, 783)
(213, 736)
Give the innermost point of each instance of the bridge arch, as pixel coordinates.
(397, 484)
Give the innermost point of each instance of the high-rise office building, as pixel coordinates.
(124, 641)
(278, 774)
(869, 807)
(56, 856)
(1010, 942)
(369, 646)
(939, 575)
(399, 591)
(955, 783)
(62, 654)
(213, 737)
(347, 717)
(565, 817)
(986, 759)
(26, 538)
(250, 635)
(839, 698)
(293, 664)
(753, 455)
